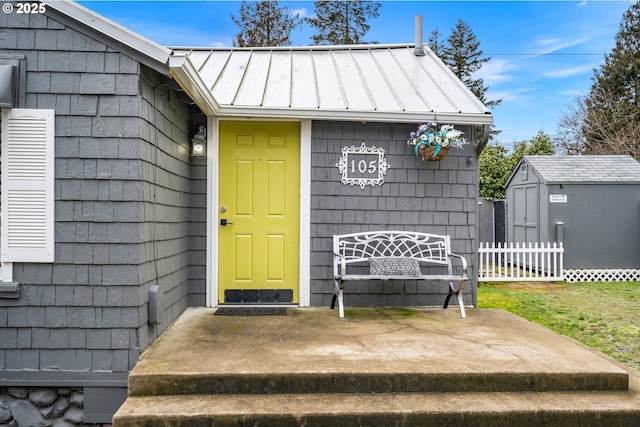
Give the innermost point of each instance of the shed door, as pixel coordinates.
(525, 221)
(260, 203)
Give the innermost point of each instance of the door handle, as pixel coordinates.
(223, 221)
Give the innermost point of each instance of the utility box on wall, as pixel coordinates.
(591, 204)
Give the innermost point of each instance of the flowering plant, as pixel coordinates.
(428, 135)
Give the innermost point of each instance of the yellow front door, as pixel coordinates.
(259, 212)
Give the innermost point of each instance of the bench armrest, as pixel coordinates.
(463, 261)
(342, 271)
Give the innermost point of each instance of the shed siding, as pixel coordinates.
(123, 220)
(439, 197)
(601, 224)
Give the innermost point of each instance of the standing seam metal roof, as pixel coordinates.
(356, 82)
(368, 82)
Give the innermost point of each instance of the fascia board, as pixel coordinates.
(391, 117)
(183, 71)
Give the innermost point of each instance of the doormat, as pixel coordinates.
(251, 311)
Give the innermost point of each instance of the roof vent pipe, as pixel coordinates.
(418, 50)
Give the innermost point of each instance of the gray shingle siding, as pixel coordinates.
(123, 213)
(438, 197)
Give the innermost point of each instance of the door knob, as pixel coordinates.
(223, 221)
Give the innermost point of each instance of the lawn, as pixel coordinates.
(602, 315)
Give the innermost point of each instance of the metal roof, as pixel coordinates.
(356, 82)
(586, 169)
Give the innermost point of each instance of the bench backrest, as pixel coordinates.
(358, 247)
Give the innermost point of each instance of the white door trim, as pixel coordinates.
(305, 214)
(213, 210)
(213, 143)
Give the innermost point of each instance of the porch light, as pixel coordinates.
(198, 143)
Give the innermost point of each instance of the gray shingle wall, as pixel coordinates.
(165, 197)
(123, 191)
(197, 233)
(438, 197)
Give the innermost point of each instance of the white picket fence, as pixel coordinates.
(504, 262)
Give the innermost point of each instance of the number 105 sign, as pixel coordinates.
(362, 166)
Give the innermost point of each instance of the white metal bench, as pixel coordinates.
(395, 255)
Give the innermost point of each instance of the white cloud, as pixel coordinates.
(512, 94)
(496, 70)
(545, 46)
(570, 72)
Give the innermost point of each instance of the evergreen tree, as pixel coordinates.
(264, 23)
(540, 145)
(495, 169)
(434, 42)
(463, 55)
(612, 120)
(342, 22)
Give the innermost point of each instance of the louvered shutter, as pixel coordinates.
(27, 228)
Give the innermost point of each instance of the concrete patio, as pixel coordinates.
(379, 367)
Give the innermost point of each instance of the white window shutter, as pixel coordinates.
(27, 218)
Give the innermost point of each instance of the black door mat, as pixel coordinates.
(251, 311)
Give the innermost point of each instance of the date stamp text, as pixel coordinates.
(24, 8)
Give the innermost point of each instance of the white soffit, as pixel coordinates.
(359, 82)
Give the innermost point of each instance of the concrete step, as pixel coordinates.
(593, 409)
(392, 382)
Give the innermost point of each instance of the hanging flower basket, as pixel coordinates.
(432, 153)
(433, 143)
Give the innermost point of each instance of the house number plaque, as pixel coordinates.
(362, 166)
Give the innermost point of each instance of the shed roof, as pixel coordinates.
(586, 169)
(355, 82)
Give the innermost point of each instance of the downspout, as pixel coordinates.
(483, 143)
(486, 130)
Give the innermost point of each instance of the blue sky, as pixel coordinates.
(543, 53)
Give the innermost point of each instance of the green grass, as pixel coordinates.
(602, 315)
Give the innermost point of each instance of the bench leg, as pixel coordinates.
(458, 295)
(449, 295)
(338, 295)
(461, 304)
(335, 293)
(341, 303)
